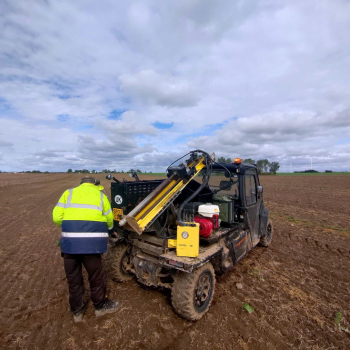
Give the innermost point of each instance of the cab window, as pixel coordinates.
(250, 189)
(220, 181)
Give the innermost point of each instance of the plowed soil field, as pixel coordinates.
(296, 286)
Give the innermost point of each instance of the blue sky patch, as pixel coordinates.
(208, 130)
(342, 142)
(63, 118)
(4, 105)
(116, 113)
(83, 127)
(214, 127)
(159, 125)
(63, 97)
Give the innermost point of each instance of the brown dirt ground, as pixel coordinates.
(296, 286)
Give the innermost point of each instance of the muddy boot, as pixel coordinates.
(79, 314)
(107, 307)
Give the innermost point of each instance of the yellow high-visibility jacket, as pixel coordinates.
(85, 215)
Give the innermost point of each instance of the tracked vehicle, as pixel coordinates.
(179, 232)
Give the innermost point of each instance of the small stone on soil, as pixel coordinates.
(239, 285)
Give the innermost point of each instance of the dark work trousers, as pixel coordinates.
(93, 265)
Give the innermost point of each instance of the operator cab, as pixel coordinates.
(233, 189)
(224, 189)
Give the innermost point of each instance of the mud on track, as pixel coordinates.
(296, 286)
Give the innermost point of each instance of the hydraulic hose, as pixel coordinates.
(204, 183)
(176, 161)
(160, 234)
(199, 189)
(179, 211)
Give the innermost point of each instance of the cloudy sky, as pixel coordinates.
(120, 84)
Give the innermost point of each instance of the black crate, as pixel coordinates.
(128, 195)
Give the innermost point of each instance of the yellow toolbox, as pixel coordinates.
(188, 240)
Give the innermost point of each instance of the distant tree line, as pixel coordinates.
(312, 171)
(104, 171)
(264, 166)
(83, 171)
(35, 172)
(308, 171)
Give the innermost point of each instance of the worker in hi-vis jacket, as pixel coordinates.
(85, 215)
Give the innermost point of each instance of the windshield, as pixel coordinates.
(220, 179)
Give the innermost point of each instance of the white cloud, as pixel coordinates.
(130, 123)
(148, 86)
(255, 78)
(294, 137)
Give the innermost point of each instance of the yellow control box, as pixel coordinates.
(117, 214)
(188, 240)
(171, 243)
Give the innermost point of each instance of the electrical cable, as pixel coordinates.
(176, 161)
(160, 233)
(199, 189)
(206, 177)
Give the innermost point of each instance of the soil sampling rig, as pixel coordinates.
(179, 232)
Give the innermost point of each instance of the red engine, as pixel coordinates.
(206, 225)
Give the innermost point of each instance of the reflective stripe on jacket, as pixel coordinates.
(85, 215)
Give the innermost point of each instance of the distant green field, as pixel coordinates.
(313, 174)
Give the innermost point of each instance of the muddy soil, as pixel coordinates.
(296, 286)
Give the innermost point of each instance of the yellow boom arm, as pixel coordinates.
(147, 211)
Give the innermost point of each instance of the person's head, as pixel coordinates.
(90, 180)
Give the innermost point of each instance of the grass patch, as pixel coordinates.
(248, 308)
(338, 318)
(335, 228)
(257, 274)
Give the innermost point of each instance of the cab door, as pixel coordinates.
(252, 201)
